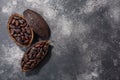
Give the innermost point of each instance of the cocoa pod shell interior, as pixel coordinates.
(34, 55)
(17, 30)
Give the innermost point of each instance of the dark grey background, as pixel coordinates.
(85, 35)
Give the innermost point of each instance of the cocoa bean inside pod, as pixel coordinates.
(19, 33)
(38, 24)
(34, 55)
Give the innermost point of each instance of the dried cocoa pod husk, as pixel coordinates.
(34, 55)
(38, 24)
(17, 28)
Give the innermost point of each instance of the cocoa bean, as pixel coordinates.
(13, 21)
(16, 23)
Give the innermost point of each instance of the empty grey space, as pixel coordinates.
(85, 36)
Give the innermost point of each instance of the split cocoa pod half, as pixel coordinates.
(19, 30)
(38, 24)
(34, 55)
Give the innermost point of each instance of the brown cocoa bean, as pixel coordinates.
(23, 25)
(15, 35)
(33, 48)
(16, 17)
(26, 38)
(13, 21)
(21, 21)
(37, 45)
(30, 56)
(19, 39)
(16, 23)
(17, 30)
(23, 30)
(26, 35)
(28, 63)
(23, 38)
(12, 31)
(28, 31)
(21, 33)
(12, 26)
(38, 55)
(18, 35)
(26, 41)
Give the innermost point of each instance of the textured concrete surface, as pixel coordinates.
(85, 35)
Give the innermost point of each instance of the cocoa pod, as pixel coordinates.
(34, 55)
(38, 24)
(17, 32)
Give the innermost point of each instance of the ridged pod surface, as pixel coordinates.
(37, 23)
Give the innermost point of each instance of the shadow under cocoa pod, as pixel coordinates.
(41, 64)
(37, 38)
(24, 49)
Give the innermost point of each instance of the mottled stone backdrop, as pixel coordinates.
(85, 36)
